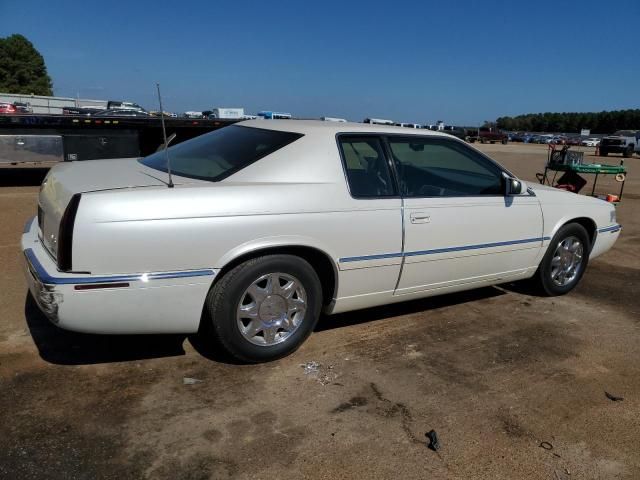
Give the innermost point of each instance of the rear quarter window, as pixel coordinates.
(219, 154)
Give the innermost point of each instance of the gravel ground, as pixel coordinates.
(495, 371)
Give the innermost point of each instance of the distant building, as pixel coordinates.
(51, 105)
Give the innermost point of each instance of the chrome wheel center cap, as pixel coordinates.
(273, 307)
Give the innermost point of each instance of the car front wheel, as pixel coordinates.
(264, 308)
(565, 261)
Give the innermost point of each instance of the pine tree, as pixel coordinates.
(22, 68)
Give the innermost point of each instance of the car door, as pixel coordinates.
(459, 227)
(369, 231)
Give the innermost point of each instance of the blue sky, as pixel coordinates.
(416, 61)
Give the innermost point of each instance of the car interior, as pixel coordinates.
(425, 169)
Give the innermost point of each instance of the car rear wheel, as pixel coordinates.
(264, 308)
(565, 261)
(628, 153)
(603, 153)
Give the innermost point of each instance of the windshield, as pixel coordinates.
(216, 155)
(625, 133)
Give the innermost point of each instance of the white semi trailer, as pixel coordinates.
(230, 113)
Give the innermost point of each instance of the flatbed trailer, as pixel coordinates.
(29, 138)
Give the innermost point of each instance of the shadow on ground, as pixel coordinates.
(64, 347)
(405, 308)
(22, 177)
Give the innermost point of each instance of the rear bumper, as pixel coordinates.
(147, 302)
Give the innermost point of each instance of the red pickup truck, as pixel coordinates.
(489, 135)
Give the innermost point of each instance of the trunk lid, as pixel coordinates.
(67, 179)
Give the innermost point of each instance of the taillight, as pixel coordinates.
(65, 234)
(40, 218)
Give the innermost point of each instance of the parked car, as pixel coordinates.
(545, 138)
(573, 141)
(23, 107)
(378, 121)
(264, 227)
(121, 112)
(591, 142)
(81, 110)
(458, 132)
(623, 141)
(558, 140)
(8, 108)
(489, 135)
(117, 104)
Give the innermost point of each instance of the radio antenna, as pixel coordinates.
(164, 134)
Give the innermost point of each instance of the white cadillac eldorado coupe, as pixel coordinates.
(263, 224)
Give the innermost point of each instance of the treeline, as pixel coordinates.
(570, 122)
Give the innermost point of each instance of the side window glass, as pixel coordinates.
(433, 167)
(366, 167)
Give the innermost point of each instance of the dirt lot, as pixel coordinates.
(494, 371)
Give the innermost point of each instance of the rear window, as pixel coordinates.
(216, 155)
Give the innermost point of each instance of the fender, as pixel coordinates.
(276, 241)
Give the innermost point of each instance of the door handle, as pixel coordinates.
(420, 217)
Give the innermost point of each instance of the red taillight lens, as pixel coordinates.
(65, 234)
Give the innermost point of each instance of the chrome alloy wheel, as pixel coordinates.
(566, 261)
(271, 309)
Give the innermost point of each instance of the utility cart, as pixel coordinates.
(570, 163)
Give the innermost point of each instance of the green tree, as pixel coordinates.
(568, 122)
(22, 67)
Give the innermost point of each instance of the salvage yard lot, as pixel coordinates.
(495, 371)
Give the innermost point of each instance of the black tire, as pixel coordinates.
(603, 153)
(543, 278)
(504, 141)
(628, 153)
(225, 295)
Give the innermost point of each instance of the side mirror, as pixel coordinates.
(513, 186)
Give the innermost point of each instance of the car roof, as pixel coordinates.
(320, 127)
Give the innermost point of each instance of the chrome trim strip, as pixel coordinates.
(442, 250)
(611, 228)
(48, 279)
(370, 257)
